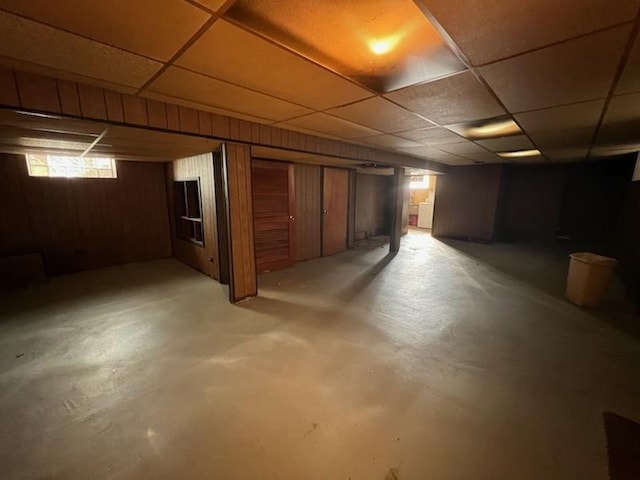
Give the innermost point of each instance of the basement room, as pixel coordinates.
(381, 240)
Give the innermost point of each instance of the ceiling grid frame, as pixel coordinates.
(218, 14)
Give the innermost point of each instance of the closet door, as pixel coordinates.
(273, 214)
(335, 193)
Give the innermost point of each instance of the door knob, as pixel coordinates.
(291, 217)
(325, 212)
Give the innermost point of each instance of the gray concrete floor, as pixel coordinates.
(435, 363)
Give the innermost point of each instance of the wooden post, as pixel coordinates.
(397, 198)
(351, 222)
(243, 282)
(222, 221)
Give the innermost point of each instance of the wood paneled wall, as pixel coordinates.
(201, 257)
(466, 203)
(308, 191)
(533, 202)
(79, 224)
(46, 94)
(628, 241)
(243, 282)
(373, 204)
(351, 216)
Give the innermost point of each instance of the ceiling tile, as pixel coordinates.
(458, 98)
(507, 144)
(571, 72)
(389, 141)
(55, 50)
(420, 151)
(182, 84)
(621, 123)
(431, 136)
(565, 155)
(266, 67)
(579, 115)
(381, 114)
(484, 157)
(431, 153)
(567, 127)
(449, 159)
(630, 80)
(460, 148)
(566, 138)
(488, 31)
(211, 4)
(133, 25)
(323, 123)
(471, 151)
(127, 141)
(385, 44)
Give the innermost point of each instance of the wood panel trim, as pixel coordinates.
(292, 214)
(243, 283)
(219, 179)
(351, 214)
(308, 187)
(205, 257)
(94, 106)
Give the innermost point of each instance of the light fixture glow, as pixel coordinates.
(494, 129)
(520, 154)
(382, 46)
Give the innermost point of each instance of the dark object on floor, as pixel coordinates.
(623, 446)
(372, 242)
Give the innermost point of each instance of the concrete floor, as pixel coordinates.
(433, 363)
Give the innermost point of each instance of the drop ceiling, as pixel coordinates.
(21, 132)
(398, 75)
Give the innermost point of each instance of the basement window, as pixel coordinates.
(188, 211)
(45, 165)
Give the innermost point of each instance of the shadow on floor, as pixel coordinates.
(545, 268)
(98, 285)
(363, 280)
(279, 306)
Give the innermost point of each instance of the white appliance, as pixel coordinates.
(425, 214)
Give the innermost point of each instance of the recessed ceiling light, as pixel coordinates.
(494, 129)
(382, 45)
(520, 154)
(487, 128)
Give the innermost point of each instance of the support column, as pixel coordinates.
(351, 221)
(242, 258)
(397, 199)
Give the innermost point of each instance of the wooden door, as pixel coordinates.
(335, 208)
(273, 214)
